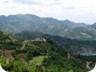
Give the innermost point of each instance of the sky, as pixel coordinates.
(74, 10)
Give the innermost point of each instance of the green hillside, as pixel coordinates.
(36, 55)
(71, 45)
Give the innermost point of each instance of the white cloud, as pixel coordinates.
(75, 10)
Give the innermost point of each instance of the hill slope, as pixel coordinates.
(39, 54)
(75, 46)
(64, 28)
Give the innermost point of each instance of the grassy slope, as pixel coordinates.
(38, 60)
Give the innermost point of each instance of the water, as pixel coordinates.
(88, 54)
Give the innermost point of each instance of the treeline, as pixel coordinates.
(72, 45)
(37, 55)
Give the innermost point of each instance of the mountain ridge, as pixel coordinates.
(65, 28)
(75, 46)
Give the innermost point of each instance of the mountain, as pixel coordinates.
(45, 44)
(65, 28)
(73, 24)
(82, 33)
(38, 54)
(29, 22)
(71, 45)
(93, 25)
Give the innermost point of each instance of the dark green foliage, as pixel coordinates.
(71, 45)
(9, 42)
(87, 58)
(38, 55)
(58, 59)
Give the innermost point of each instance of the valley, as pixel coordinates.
(29, 43)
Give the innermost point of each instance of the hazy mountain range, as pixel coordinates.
(65, 28)
(47, 44)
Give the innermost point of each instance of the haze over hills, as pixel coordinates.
(53, 42)
(64, 28)
(57, 39)
(94, 26)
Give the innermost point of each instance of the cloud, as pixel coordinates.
(37, 2)
(75, 10)
(70, 8)
(27, 2)
(5, 2)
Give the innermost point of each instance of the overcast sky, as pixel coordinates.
(74, 10)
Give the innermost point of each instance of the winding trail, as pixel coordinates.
(24, 44)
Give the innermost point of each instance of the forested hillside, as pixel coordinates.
(71, 45)
(37, 55)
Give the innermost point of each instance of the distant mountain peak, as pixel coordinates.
(67, 20)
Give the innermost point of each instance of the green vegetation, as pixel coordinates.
(45, 49)
(37, 55)
(71, 45)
